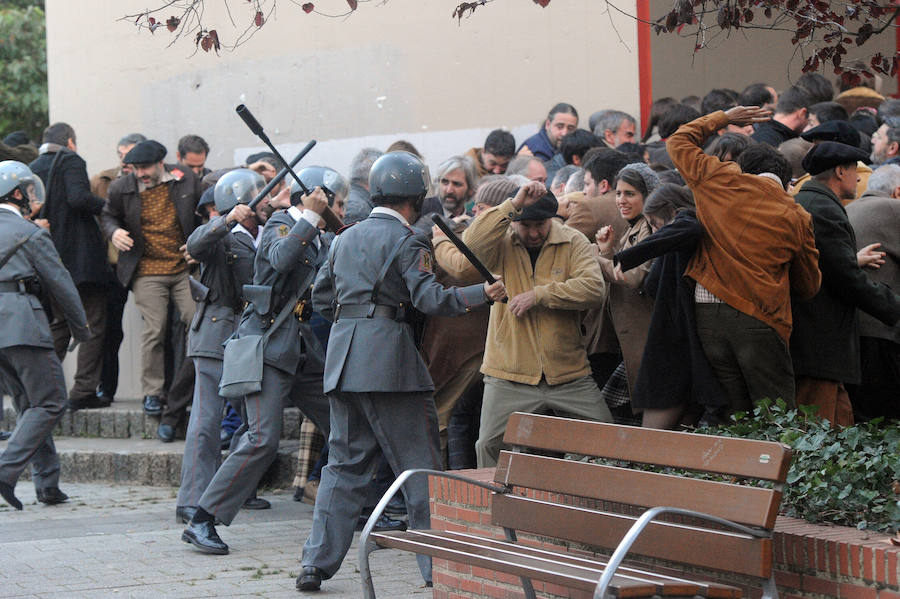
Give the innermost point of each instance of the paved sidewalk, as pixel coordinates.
(123, 541)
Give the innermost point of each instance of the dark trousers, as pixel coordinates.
(90, 352)
(34, 377)
(116, 297)
(180, 394)
(747, 356)
(878, 393)
(401, 425)
(462, 431)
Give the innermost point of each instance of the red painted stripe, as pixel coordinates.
(645, 60)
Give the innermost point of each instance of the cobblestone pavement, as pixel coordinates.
(123, 541)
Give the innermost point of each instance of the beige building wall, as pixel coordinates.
(742, 58)
(402, 68)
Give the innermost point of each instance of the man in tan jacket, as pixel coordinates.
(534, 357)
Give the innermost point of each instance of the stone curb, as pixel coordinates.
(157, 465)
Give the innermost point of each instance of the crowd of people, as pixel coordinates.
(743, 246)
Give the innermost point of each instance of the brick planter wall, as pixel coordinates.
(811, 561)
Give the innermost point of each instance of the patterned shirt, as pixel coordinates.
(162, 234)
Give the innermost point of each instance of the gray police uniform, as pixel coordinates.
(226, 258)
(289, 252)
(28, 363)
(379, 387)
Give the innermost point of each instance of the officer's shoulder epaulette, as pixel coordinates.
(345, 227)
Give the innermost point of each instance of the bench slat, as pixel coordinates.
(714, 549)
(627, 570)
(558, 568)
(738, 457)
(753, 506)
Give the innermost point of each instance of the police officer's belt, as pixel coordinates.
(365, 311)
(20, 286)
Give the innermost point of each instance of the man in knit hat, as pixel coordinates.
(534, 355)
(148, 217)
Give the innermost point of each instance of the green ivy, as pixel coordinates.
(848, 476)
(23, 68)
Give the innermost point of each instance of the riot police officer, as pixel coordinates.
(225, 249)
(289, 252)
(378, 385)
(30, 266)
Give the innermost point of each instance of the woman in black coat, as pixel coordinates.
(674, 373)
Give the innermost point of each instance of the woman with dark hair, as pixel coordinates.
(728, 146)
(675, 379)
(627, 307)
(659, 107)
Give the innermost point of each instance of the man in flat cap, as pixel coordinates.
(825, 339)
(841, 132)
(148, 217)
(534, 356)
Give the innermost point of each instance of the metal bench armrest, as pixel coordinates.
(638, 527)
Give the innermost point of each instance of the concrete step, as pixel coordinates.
(146, 462)
(125, 419)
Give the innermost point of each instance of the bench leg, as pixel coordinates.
(526, 582)
(770, 591)
(365, 572)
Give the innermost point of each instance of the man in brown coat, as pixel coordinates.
(758, 247)
(148, 217)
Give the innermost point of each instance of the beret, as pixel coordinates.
(839, 131)
(544, 208)
(830, 154)
(145, 152)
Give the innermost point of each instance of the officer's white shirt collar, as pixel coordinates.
(12, 209)
(390, 212)
(240, 228)
(307, 215)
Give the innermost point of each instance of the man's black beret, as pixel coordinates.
(830, 154)
(839, 131)
(146, 152)
(544, 208)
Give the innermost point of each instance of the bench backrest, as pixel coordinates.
(594, 523)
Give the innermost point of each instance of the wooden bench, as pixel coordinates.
(706, 523)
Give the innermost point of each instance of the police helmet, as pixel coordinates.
(398, 176)
(332, 183)
(235, 187)
(16, 175)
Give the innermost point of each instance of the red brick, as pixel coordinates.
(470, 586)
(443, 510)
(891, 567)
(484, 573)
(855, 559)
(787, 579)
(822, 586)
(555, 589)
(508, 579)
(821, 555)
(755, 593)
(888, 594)
(831, 547)
(439, 594)
(499, 592)
(461, 568)
(448, 580)
(868, 563)
(778, 548)
(843, 558)
(852, 591)
(880, 562)
(468, 515)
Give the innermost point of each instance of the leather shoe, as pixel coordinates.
(91, 402)
(310, 492)
(165, 433)
(104, 398)
(4, 435)
(51, 496)
(185, 513)
(203, 536)
(310, 579)
(256, 503)
(152, 405)
(383, 524)
(6, 492)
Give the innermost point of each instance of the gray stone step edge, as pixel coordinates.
(155, 468)
(113, 423)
